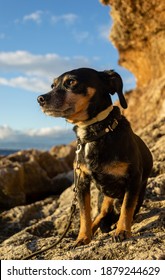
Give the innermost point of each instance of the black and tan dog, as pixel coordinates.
(110, 154)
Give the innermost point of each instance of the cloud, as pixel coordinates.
(27, 83)
(35, 72)
(66, 18)
(81, 36)
(35, 17)
(36, 138)
(46, 16)
(5, 132)
(104, 31)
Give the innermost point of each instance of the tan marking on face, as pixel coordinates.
(81, 105)
(116, 168)
(68, 78)
(55, 82)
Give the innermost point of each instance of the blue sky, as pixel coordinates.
(40, 40)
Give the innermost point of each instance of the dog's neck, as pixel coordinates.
(98, 118)
(97, 129)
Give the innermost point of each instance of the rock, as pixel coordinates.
(62, 181)
(52, 165)
(66, 152)
(29, 175)
(138, 32)
(11, 184)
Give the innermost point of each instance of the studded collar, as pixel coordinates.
(97, 130)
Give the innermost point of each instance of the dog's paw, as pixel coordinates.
(121, 235)
(83, 240)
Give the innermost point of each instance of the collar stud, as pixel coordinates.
(112, 127)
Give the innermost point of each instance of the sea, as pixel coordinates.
(7, 152)
(12, 148)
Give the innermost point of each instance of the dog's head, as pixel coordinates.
(80, 94)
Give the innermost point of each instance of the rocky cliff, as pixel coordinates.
(32, 174)
(138, 32)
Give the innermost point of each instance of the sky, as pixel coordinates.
(39, 40)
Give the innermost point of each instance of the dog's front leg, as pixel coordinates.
(83, 191)
(123, 230)
(106, 207)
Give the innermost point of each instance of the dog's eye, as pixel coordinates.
(70, 82)
(52, 86)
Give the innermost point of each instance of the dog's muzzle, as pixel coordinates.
(43, 99)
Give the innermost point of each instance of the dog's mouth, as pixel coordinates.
(72, 107)
(53, 112)
(53, 106)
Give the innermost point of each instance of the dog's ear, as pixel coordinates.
(114, 84)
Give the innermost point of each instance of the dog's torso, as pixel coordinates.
(113, 160)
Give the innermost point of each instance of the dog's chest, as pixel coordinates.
(105, 175)
(90, 156)
(96, 160)
(89, 150)
(101, 160)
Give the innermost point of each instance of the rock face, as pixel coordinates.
(138, 32)
(31, 174)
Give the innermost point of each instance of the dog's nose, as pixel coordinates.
(41, 100)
